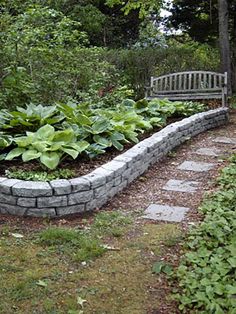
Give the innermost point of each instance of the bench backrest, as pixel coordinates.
(189, 82)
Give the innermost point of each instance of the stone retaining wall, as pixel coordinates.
(63, 197)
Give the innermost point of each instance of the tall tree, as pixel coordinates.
(213, 22)
(224, 42)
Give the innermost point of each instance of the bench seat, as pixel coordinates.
(195, 85)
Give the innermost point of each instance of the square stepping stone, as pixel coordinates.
(165, 213)
(181, 186)
(225, 140)
(196, 166)
(209, 151)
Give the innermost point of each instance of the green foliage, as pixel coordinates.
(16, 85)
(111, 223)
(207, 272)
(31, 175)
(41, 26)
(79, 246)
(86, 244)
(30, 118)
(139, 64)
(47, 145)
(162, 267)
(58, 236)
(145, 7)
(49, 134)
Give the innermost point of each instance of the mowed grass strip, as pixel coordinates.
(105, 267)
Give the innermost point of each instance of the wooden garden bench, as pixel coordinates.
(190, 85)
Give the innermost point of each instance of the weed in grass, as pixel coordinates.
(111, 223)
(89, 249)
(58, 236)
(174, 238)
(81, 247)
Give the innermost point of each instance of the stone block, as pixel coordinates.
(225, 140)
(41, 212)
(61, 187)
(31, 189)
(67, 210)
(80, 197)
(26, 201)
(96, 179)
(108, 174)
(12, 209)
(116, 166)
(52, 201)
(181, 186)
(7, 184)
(128, 160)
(117, 181)
(80, 184)
(96, 203)
(208, 151)
(165, 213)
(8, 199)
(100, 191)
(127, 173)
(196, 166)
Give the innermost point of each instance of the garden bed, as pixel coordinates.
(63, 197)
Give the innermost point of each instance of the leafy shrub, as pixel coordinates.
(138, 65)
(207, 272)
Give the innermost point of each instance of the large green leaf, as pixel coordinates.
(100, 126)
(80, 146)
(103, 141)
(15, 152)
(50, 159)
(83, 119)
(30, 155)
(5, 141)
(141, 105)
(40, 146)
(24, 141)
(46, 132)
(65, 136)
(129, 103)
(70, 151)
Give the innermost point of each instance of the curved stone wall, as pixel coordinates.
(63, 197)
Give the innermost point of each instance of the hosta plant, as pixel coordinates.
(48, 146)
(30, 118)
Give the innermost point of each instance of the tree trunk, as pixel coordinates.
(224, 41)
(233, 41)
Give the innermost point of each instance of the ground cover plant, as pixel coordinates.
(49, 134)
(208, 270)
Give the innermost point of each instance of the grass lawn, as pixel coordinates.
(104, 267)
